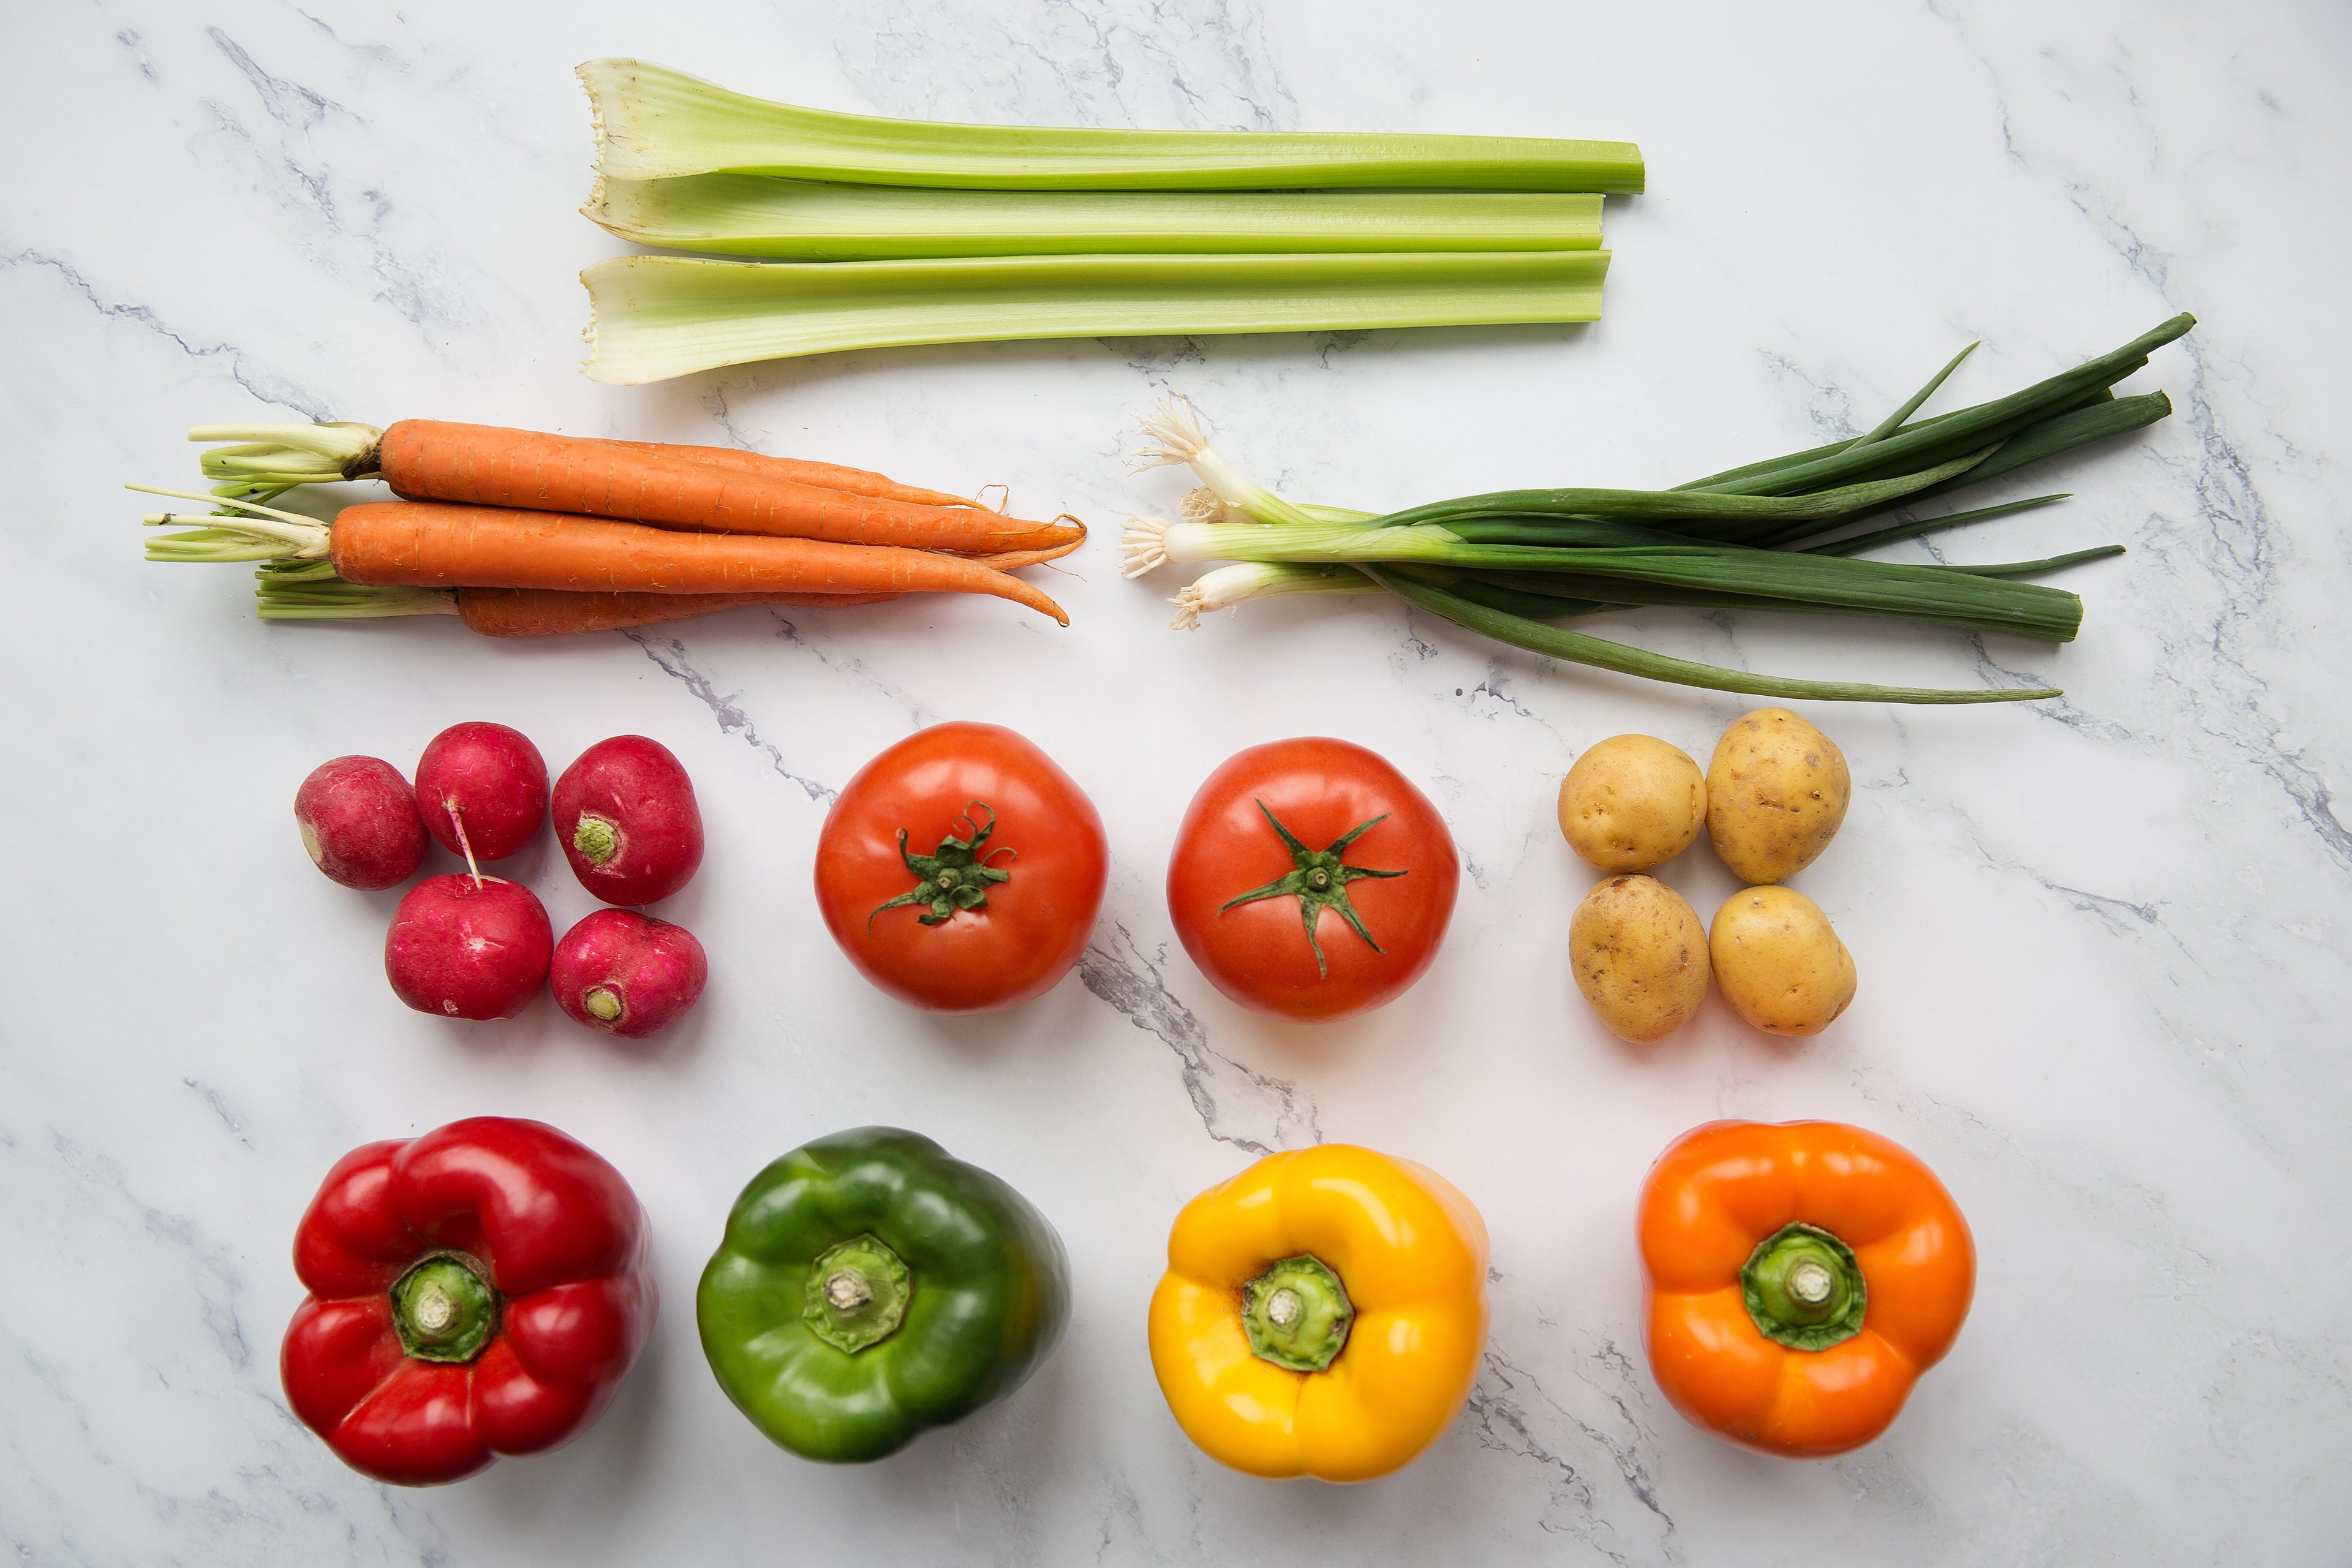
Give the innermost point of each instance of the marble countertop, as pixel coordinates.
(2102, 940)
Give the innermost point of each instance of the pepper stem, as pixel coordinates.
(444, 1309)
(1803, 1288)
(857, 1294)
(1296, 1314)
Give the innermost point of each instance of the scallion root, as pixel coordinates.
(1174, 428)
(1201, 504)
(1175, 432)
(1228, 585)
(1143, 544)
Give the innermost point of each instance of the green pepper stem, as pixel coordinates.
(857, 1294)
(1803, 1288)
(1296, 1314)
(444, 1309)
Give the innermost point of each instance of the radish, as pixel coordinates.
(627, 973)
(359, 822)
(482, 790)
(625, 815)
(467, 946)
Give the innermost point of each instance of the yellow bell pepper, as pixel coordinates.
(1323, 1314)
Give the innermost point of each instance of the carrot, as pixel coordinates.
(1009, 559)
(310, 591)
(798, 470)
(485, 465)
(433, 544)
(540, 612)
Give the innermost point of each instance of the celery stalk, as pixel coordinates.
(652, 122)
(655, 317)
(752, 215)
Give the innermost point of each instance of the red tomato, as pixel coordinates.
(1397, 871)
(995, 891)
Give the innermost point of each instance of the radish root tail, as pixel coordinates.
(458, 821)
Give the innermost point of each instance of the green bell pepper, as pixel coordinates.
(871, 1286)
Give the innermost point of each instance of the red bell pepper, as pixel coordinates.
(478, 1291)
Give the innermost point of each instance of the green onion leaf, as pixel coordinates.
(1600, 652)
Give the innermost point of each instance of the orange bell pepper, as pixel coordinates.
(1799, 1278)
(1323, 1314)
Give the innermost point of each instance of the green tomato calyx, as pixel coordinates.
(957, 874)
(1318, 881)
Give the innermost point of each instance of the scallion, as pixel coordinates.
(1506, 563)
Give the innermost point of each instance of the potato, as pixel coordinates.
(1640, 957)
(1776, 792)
(1778, 962)
(1632, 802)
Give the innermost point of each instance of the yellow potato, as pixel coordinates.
(1632, 802)
(1778, 962)
(1776, 792)
(1640, 957)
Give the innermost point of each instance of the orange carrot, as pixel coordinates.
(1009, 559)
(485, 465)
(431, 544)
(542, 612)
(798, 470)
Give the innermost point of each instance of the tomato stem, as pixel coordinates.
(1319, 881)
(955, 876)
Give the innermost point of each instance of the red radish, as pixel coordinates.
(468, 947)
(482, 790)
(627, 973)
(359, 822)
(625, 815)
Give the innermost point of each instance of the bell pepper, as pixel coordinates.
(1323, 1314)
(1799, 1278)
(478, 1291)
(870, 1287)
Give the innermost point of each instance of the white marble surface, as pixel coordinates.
(2102, 941)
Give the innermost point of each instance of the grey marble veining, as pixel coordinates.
(2102, 940)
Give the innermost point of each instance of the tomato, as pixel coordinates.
(962, 871)
(1266, 917)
